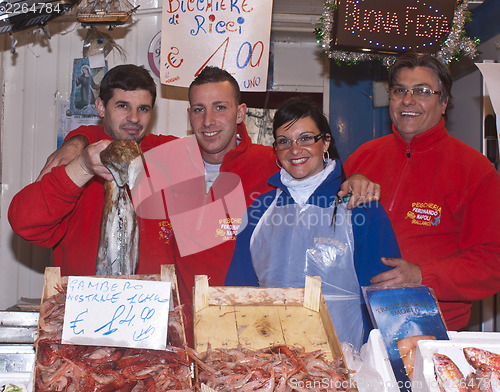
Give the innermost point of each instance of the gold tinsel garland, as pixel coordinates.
(454, 47)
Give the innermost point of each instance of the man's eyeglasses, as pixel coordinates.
(418, 93)
(283, 143)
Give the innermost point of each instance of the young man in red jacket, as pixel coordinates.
(442, 196)
(63, 209)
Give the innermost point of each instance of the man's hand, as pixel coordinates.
(403, 272)
(88, 164)
(362, 190)
(70, 149)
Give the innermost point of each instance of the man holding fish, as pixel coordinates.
(63, 209)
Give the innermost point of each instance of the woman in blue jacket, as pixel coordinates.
(303, 229)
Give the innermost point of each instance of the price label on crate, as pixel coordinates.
(116, 312)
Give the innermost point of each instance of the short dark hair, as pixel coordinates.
(295, 108)
(412, 60)
(128, 77)
(215, 75)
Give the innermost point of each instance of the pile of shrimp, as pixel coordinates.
(69, 368)
(62, 367)
(279, 368)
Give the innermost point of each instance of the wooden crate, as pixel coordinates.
(54, 280)
(258, 317)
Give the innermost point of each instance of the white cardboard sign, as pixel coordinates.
(231, 34)
(116, 312)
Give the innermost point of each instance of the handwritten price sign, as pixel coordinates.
(116, 312)
(230, 34)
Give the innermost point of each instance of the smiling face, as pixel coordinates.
(412, 117)
(214, 114)
(127, 114)
(301, 162)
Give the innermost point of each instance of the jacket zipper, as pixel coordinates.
(396, 191)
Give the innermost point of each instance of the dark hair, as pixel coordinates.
(412, 60)
(296, 108)
(127, 77)
(215, 75)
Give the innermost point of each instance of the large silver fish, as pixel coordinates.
(118, 252)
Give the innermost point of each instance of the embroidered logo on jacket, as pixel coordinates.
(424, 214)
(228, 228)
(165, 232)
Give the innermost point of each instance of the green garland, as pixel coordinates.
(454, 47)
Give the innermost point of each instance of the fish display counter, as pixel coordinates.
(235, 323)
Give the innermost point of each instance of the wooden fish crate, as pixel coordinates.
(258, 317)
(54, 281)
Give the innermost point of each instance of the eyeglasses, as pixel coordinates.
(305, 140)
(418, 93)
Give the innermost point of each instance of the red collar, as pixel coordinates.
(424, 141)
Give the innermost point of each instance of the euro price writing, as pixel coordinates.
(126, 310)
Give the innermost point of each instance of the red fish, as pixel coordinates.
(448, 375)
(482, 359)
(488, 380)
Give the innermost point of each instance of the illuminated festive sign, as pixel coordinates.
(392, 26)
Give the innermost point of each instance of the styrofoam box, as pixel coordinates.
(375, 355)
(424, 379)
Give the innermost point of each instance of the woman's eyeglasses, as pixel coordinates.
(283, 143)
(418, 93)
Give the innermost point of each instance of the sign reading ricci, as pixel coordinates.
(392, 26)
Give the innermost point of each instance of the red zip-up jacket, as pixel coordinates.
(443, 199)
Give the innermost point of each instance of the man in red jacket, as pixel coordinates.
(442, 196)
(63, 209)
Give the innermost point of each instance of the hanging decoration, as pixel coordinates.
(97, 42)
(455, 46)
(104, 12)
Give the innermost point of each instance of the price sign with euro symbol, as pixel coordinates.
(232, 35)
(116, 312)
